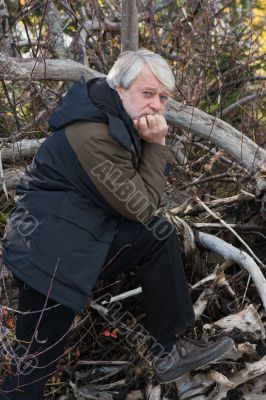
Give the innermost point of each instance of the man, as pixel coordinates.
(85, 211)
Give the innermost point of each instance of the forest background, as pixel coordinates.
(215, 195)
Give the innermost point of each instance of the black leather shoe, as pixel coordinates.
(189, 354)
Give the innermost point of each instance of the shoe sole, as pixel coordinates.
(198, 365)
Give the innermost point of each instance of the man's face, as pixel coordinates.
(145, 96)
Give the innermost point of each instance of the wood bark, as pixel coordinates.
(247, 320)
(56, 31)
(5, 39)
(21, 149)
(30, 69)
(11, 178)
(129, 25)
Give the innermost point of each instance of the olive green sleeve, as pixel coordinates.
(133, 194)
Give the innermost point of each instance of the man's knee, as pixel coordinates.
(160, 228)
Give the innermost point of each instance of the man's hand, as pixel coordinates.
(152, 128)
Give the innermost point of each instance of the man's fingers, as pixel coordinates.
(149, 121)
(160, 120)
(136, 124)
(152, 128)
(152, 121)
(143, 123)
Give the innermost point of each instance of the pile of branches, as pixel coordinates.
(215, 195)
(223, 239)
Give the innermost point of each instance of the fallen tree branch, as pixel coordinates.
(214, 225)
(11, 178)
(217, 177)
(30, 69)
(209, 150)
(230, 229)
(218, 280)
(235, 106)
(217, 131)
(25, 148)
(227, 251)
(224, 201)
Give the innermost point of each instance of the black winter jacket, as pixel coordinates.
(60, 231)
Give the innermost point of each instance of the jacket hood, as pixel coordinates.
(95, 101)
(75, 106)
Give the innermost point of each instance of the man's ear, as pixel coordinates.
(121, 91)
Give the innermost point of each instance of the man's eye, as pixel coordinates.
(163, 98)
(147, 94)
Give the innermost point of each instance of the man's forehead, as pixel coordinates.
(147, 80)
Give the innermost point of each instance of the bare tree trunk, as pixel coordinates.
(56, 31)
(3, 18)
(129, 25)
(5, 33)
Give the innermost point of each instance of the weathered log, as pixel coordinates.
(202, 301)
(21, 149)
(29, 69)
(259, 386)
(187, 234)
(247, 320)
(134, 395)
(190, 388)
(12, 177)
(153, 392)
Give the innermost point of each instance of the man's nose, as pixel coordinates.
(156, 104)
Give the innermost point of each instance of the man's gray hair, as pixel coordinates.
(130, 63)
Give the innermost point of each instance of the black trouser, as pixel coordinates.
(167, 300)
